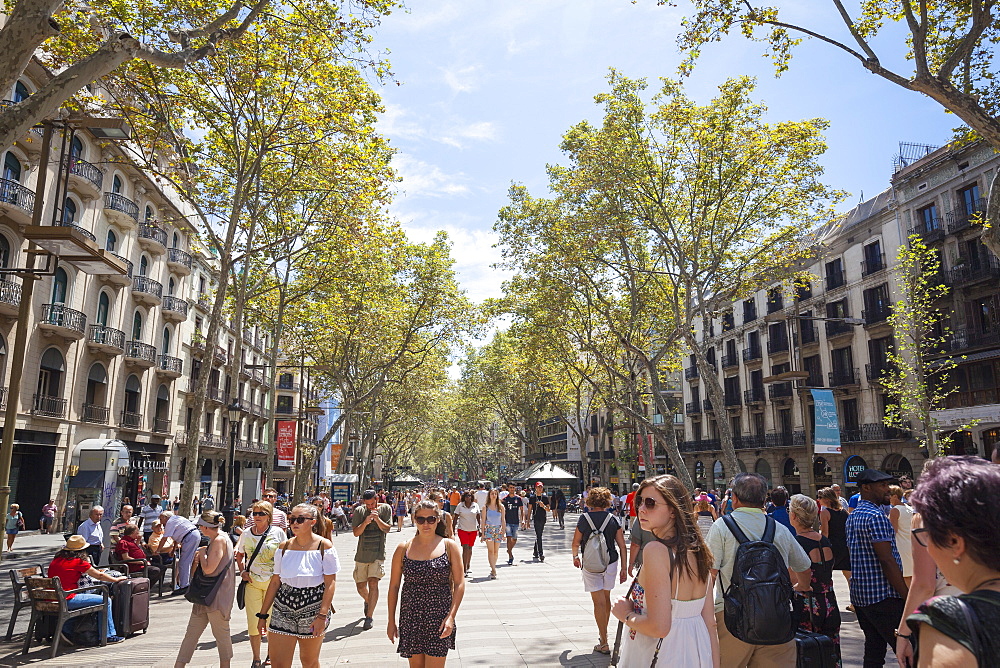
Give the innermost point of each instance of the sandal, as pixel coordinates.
(602, 648)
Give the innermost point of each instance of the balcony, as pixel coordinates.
(220, 355)
(3, 398)
(706, 405)
(16, 201)
(777, 346)
(84, 176)
(63, 321)
(10, 297)
(752, 354)
(106, 339)
(835, 278)
(121, 210)
(179, 261)
(876, 370)
(730, 360)
(175, 309)
(285, 409)
(961, 218)
(82, 230)
(873, 265)
(250, 446)
(210, 441)
(872, 432)
(785, 439)
(120, 279)
(838, 328)
(779, 390)
(844, 377)
(701, 445)
(218, 395)
(691, 373)
(140, 354)
(171, 367)
(203, 303)
(131, 421)
(749, 442)
(807, 335)
(288, 385)
(983, 268)
(95, 414)
(963, 339)
(153, 238)
(755, 395)
(875, 316)
(146, 290)
(733, 400)
(46, 406)
(928, 230)
(161, 425)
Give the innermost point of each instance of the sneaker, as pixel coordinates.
(541, 557)
(114, 639)
(180, 591)
(510, 561)
(368, 623)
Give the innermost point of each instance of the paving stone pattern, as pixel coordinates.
(535, 614)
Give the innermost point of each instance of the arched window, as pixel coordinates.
(148, 217)
(165, 341)
(59, 283)
(162, 403)
(176, 241)
(50, 373)
(133, 394)
(97, 384)
(3, 358)
(116, 185)
(4, 251)
(143, 265)
(69, 212)
(11, 167)
(21, 92)
(103, 308)
(76, 149)
(137, 327)
(112, 242)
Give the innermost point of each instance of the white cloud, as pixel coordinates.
(422, 179)
(460, 136)
(462, 79)
(394, 123)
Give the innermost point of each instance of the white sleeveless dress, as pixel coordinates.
(688, 643)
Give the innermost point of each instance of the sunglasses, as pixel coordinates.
(430, 519)
(260, 514)
(650, 504)
(916, 535)
(299, 519)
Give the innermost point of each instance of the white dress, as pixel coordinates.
(688, 643)
(903, 544)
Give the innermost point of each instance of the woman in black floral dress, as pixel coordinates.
(431, 566)
(821, 614)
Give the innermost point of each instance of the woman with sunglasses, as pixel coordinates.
(433, 589)
(257, 574)
(299, 596)
(669, 609)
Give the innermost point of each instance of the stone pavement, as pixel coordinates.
(534, 614)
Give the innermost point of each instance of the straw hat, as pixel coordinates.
(75, 542)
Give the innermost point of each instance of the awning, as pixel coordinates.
(343, 478)
(87, 480)
(135, 447)
(546, 471)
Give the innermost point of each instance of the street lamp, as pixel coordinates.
(229, 510)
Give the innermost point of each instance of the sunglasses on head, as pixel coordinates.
(260, 513)
(299, 519)
(648, 502)
(429, 519)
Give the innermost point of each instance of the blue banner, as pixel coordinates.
(826, 438)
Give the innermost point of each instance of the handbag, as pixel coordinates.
(20, 522)
(203, 588)
(241, 590)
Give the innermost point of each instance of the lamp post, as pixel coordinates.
(229, 509)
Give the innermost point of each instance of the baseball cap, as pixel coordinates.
(210, 519)
(869, 476)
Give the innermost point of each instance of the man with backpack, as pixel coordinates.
(598, 543)
(756, 622)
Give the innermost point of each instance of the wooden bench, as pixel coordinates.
(48, 598)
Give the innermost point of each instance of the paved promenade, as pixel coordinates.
(535, 614)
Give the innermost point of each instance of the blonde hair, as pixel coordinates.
(896, 491)
(830, 495)
(263, 506)
(805, 511)
(240, 521)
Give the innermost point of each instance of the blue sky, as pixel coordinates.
(487, 90)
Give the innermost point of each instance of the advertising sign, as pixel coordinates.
(335, 450)
(853, 467)
(286, 442)
(827, 435)
(644, 445)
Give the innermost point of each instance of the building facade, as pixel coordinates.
(834, 332)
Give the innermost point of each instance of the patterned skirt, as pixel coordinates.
(295, 610)
(493, 533)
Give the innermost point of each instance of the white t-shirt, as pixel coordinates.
(503, 494)
(480, 496)
(305, 568)
(466, 515)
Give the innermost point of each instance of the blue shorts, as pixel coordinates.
(512, 529)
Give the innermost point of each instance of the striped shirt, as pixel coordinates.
(866, 526)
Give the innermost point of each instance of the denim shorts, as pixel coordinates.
(512, 529)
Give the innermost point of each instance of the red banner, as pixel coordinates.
(286, 442)
(644, 445)
(335, 450)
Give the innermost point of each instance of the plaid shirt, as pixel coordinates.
(865, 526)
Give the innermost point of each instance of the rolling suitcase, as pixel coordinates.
(814, 650)
(130, 606)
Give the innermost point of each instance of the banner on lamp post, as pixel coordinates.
(826, 437)
(335, 450)
(286, 442)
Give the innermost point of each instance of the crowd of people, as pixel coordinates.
(922, 563)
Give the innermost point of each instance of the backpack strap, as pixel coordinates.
(604, 524)
(770, 527)
(972, 622)
(735, 529)
(590, 521)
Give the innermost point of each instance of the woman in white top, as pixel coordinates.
(301, 591)
(467, 518)
(901, 517)
(668, 609)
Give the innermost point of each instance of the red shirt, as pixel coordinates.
(630, 502)
(68, 571)
(127, 548)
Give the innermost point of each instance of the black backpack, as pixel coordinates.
(759, 607)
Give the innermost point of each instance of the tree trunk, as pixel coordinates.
(710, 381)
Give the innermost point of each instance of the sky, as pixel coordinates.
(484, 91)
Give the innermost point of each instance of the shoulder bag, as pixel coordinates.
(241, 590)
(203, 588)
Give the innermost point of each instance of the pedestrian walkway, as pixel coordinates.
(534, 615)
